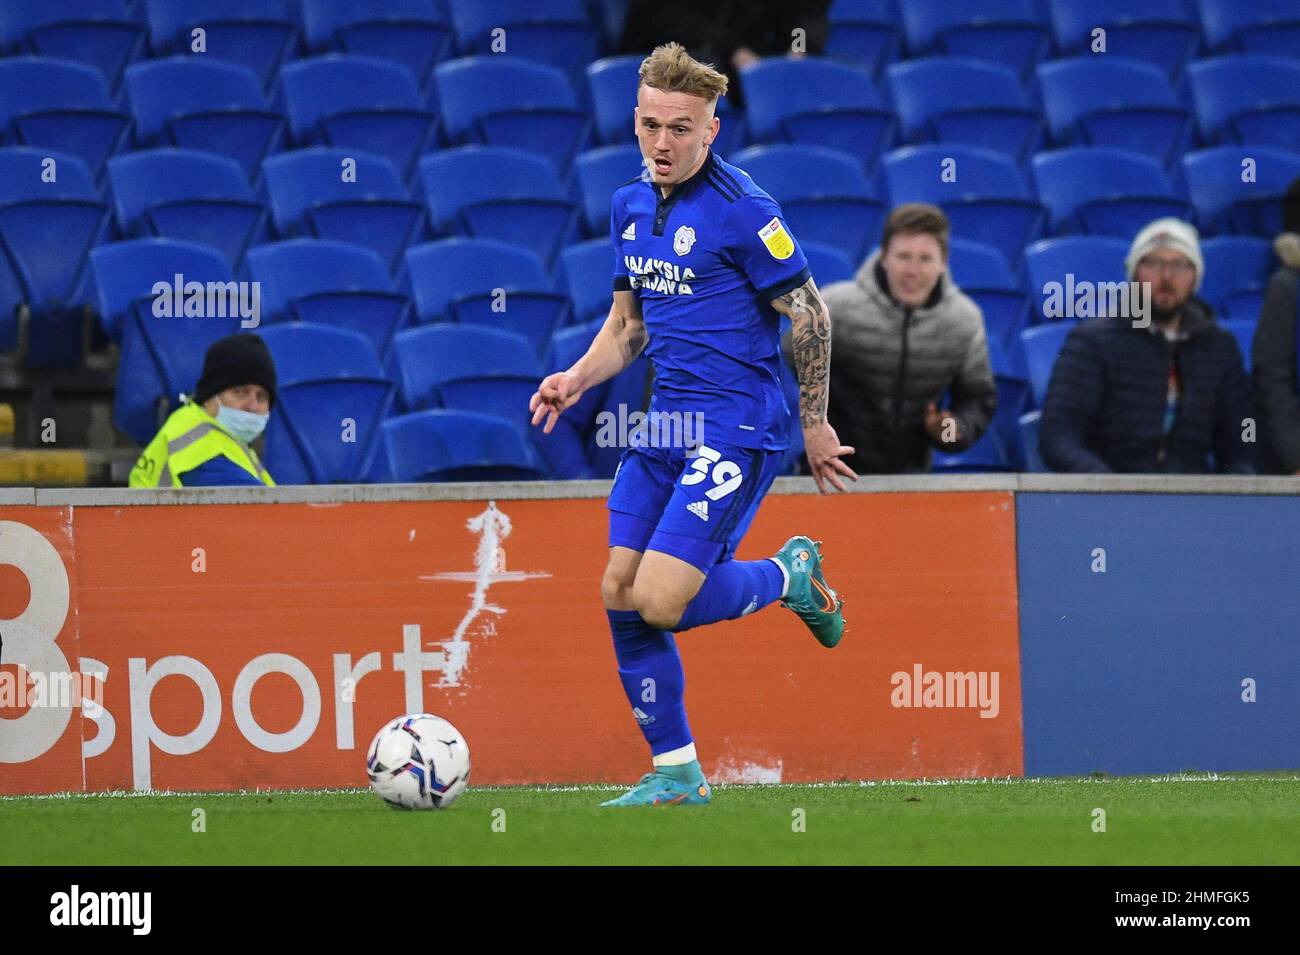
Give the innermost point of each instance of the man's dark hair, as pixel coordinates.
(913, 218)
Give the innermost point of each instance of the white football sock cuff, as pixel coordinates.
(676, 757)
(785, 576)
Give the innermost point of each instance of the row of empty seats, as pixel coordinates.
(1021, 33)
(262, 34)
(51, 214)
(361, 101)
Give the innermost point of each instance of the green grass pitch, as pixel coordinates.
(1173, 820)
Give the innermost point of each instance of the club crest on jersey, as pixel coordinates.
(777, 240)
(683, 239)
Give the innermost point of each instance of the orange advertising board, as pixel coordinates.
(261, 646)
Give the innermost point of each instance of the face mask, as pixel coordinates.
(244, 425)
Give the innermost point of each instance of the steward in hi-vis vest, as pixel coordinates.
(206, 441)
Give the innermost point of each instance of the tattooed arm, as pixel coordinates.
(620, 340)
(811, 345)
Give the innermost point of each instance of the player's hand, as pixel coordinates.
(936, 423)
(556, 393)
(822, 445)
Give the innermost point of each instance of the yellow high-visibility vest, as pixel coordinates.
(191, 437)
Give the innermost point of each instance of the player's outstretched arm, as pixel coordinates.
(811, 340)
(619, 341)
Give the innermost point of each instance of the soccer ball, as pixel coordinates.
(418, 761)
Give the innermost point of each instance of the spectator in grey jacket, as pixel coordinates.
(1273, 354)
(905, 334)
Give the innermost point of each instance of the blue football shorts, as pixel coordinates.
(697, 508)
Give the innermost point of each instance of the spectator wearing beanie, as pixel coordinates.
(1168, 395)
(206, 441)
(1274, 355)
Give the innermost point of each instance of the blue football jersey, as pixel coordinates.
(705, 264)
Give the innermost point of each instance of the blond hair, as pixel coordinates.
(671, 69)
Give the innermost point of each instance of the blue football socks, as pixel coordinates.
(732, 589)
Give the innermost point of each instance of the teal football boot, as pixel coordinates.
(808, 595)
(660, 789)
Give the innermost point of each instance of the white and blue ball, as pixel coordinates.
(418, 761)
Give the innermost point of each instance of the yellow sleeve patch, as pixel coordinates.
(777, 240)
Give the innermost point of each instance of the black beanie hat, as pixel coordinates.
(236, 360)
(1291, 208)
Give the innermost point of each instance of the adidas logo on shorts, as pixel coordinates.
(700, 509)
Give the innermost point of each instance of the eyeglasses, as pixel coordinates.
(1177, 267)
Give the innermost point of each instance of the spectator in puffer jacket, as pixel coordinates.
(1160, 393)
(1274, 356)
(903, 335)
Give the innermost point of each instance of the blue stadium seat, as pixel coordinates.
(984, 195)
(587, 269)
(47, 227)
(329, 283)
(1003, 31)
(1248, 99)
(1105, 191)
(612, 85)
(1234, 263)
(482, 282)
(212, 105)
(1029, 426)
(512, 102)
(1260, 26)
(597, 173)
(818, 103)
(627, 392)
(1241, 308)
(988, 454)
(612, 17)
(824, 194)
(863, 32)
(827, 263)
(1226, 204)
(564, 449)
(978, 265)
(981, 272)
(493, 192)
(967, 101)
(345, 194)
(1088, 258)
(160, 357)
(102, 34)
(126, 271)
(358, 102)
(1041, 344)
(331, 399)
(467, 368)
(1164, 33)
(188, 195)
(1114, 101)
(559, 33)
(457, 446)
(1006, 314)
(1243, 329)
(252, 33)
(414, 33)
(60, 105)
